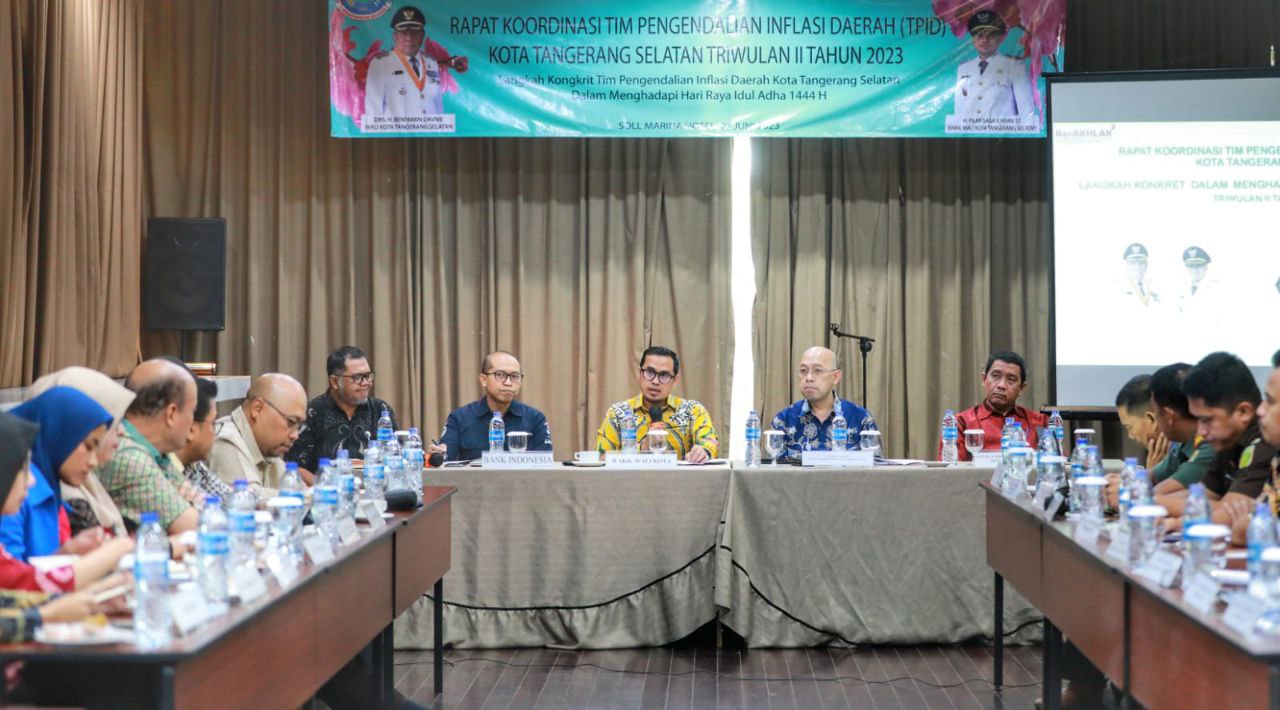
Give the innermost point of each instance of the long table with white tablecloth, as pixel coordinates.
(597, 558)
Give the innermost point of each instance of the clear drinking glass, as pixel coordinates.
(974, 440)
(1205, 549)
(774, 443)
(517, 441)
(869, 440)
(286, 521)
(657, 439)
(1051, 470)
(1269, 571)
(1144, 532)
(1091, 488)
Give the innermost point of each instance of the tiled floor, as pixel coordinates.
(702, 677)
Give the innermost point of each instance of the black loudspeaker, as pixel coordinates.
(184, 275)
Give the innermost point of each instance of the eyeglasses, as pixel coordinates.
(653, 375)
(508, 377)
(804, 372)
(360, 378)
(293, 422)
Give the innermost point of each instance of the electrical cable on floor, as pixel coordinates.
(749, 679)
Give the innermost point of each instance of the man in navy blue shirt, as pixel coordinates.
(807, 422)
(466, 431)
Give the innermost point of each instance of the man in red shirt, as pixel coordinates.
(1002, 379)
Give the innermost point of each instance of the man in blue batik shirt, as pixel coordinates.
(466, 432)
(807, 422)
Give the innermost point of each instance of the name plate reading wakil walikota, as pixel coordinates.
(636, 459)
(838, 459)
(517, 459)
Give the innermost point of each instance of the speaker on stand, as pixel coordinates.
(184, 276)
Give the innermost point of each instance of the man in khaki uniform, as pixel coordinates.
(251, 440)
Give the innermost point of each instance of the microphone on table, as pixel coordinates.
(403, 500)
(655, 415)
(436, 459)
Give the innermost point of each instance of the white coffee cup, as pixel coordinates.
(591, 456)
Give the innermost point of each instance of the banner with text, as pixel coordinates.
(815, 68)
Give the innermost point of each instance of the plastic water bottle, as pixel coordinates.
(241, 507)
(1017, 435)
(497, 432)
(1079, 450)
(1196, 510)
(1261, 534)
(393, 463)
(212, 546)
(375, 477)
(151, 575)
(1056, 428)
(384, 425)
(291, 482)
(324, 501)
(628, 433)
(1073, 500)
(752, 457)
(346, 482)
(415, 459)
(839, 431)
(950, 435)
(1140, 487)
(1126, 481)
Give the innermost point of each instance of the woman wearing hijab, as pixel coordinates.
(71, 428)
(89, 505)
(21, 613)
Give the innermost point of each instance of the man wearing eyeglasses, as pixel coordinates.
(807, 422)
(466, 431)
(344, 417)
(690, 433)
(252, 439)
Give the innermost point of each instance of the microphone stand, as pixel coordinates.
(864, 346)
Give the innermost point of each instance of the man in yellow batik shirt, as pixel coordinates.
(690, 433)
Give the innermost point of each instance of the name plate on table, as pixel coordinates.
(514, 459)
(624, 459)
(347, 530)
(282, 568)
(1118, 550)
(1202, 594)
(318, 549)
(188, 609)
(986, 459)
(247, 583)
(1242, 613)
(369, 511)
(1161, 568)
(1087, 531)
(838, 459)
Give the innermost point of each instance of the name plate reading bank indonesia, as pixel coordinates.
(838, 459)
(513, 459)
(626, 459)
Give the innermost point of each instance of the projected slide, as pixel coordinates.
(1166, 200)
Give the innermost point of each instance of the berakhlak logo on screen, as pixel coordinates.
(1084, 135)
